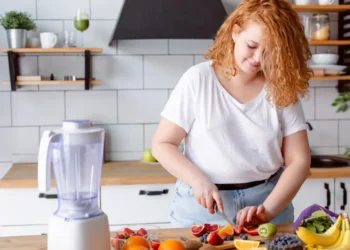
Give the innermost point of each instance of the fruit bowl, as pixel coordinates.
(122, 234)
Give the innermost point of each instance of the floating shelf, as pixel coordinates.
(330, 42)
(322, 8)
(52, 50)
(342, 77)
(23, 83)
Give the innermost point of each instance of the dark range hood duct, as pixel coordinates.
(169, 19)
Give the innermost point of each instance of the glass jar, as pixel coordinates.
(320, 26)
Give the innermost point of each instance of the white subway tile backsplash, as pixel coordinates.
(25, 140)
(324, 150)
(308, 103)
(163, 72)
(37, 108)
(324, 134)
(324, 108)
(323, 83)
(118, 72)
(19, 5)
(106, 9)
(96, 36)
(31, 158)
(344, 133)
(63, 9)
(6, 144)
(150, 130)
(189, 46)
(199, 59)
(55, 26)
(144, 47)
(123, 138)
(4, 168)
(3, 38)
(141, 106)
(342, 150)
(98, 106)
(5, 104)
(123, 156)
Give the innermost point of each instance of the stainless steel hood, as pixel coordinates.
(169, 19)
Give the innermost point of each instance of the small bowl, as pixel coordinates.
(327, 59)
(151, 229)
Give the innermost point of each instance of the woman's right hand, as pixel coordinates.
(207, 194)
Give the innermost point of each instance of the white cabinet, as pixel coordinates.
(137, 204)
(22, 206)
(315, 191)
(7, 231)
(342, 189)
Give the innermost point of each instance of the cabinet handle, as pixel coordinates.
(48, 196)
(326, 186)
(345, 196)
(144, 192)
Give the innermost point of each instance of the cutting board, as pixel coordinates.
(229, 244)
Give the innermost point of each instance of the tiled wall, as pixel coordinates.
(137, 76)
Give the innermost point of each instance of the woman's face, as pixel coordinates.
(248, 48)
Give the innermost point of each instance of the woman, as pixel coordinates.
(246, 146)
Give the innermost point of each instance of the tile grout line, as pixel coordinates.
(117, 98)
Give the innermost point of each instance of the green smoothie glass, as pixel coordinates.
(81, 23)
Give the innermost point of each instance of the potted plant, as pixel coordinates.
(343, 102)
(17, 24)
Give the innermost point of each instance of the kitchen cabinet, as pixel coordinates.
(315, 191)
(137, 204)
(342, 186)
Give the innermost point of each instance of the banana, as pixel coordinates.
(346, 240)
(326, 239)
(340, 240)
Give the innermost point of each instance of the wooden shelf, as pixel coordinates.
(341, 77)
(23, 83)
(329, 42)
(321, 8)
(53, 50)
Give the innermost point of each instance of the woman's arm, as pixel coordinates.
(297, 159)
(165, 149)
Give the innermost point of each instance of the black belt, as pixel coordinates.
(242, 185)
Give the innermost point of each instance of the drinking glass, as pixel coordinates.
(81, 23)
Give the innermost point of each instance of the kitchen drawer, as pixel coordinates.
(22, 206)
(7, 231)
(125, 205)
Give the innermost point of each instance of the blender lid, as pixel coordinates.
(77, 127)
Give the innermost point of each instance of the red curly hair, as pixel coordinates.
(284, 60)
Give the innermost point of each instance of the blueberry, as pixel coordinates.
(224, 238)
(230, 237)
(244, 237)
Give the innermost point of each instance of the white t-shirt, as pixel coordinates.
(231, 142)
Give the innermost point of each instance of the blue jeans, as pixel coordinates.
(186, 211)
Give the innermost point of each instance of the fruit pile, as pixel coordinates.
(285, 242)
(336, 237)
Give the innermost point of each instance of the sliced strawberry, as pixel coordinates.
(155, 244)
(141, 232)
(251, 230)
(237, 230)
(120, 236)
(128, 231)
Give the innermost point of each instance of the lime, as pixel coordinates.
(147, 156)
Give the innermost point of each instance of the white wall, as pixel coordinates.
(138, 77)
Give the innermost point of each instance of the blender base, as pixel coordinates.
(85, 234)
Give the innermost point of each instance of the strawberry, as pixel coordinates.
(251, 230)
(237, 230)
(128, 231)
(120, 236)
(155, 244)
(214, 239)
(141, 232)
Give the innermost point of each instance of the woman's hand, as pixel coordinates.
(252, 216)
(207, 194)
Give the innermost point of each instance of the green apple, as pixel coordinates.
(147, 156)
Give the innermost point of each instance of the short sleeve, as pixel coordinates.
(180, 106)
(292, 119)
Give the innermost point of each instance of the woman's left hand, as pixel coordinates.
(252, 216)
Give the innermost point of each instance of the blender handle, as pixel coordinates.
(144, 192)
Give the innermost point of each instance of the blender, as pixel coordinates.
(76, 152)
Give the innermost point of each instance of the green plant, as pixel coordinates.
(347, 152)
(342, 102)
(17, 20)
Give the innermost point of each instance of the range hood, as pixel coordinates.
(169, 19)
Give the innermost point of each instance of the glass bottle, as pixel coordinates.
(320, 26)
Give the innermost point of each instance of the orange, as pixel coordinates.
(136, 241)
(246, 244)
(226, 231)
(172, 244)
(139, 248)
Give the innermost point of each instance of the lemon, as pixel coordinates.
(147, 156)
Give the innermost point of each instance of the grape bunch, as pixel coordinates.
(285, 242)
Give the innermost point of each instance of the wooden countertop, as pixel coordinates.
(40, 242)
(131, 172)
